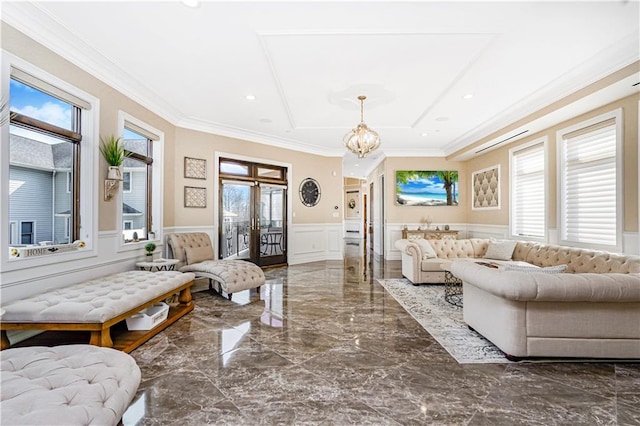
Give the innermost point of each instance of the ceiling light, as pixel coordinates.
(357, 165)
(467, 96)
(361, 140)
(191, 3)
(424, 134)
(250, 97)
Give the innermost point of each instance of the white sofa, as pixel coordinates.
(592, 310)
(422, 259)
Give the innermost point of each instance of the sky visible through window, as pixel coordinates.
(34, 103)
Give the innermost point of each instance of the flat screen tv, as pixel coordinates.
(426, 188)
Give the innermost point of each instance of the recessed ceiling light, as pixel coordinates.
(467, 96)
(423, 134)
(357, 165)
(191, 3)
(266, 120)
(442, 119)
(250, 97)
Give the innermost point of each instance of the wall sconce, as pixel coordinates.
(110, 188)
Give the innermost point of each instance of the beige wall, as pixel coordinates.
(500, 156)
(111, 101)
(191, 143)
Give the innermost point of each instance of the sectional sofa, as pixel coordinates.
(545, 301)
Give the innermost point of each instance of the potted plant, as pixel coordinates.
(150, 248)
(113, 152)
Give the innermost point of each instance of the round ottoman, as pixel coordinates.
(66, 385)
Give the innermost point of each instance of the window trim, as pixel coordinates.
(512, 152)
(157, 186)
(560, 134)
(88, 208)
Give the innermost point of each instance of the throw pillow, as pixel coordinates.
(557, 269)
(500, 250)
(198, 254)
(427, 249)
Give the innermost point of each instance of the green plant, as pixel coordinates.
(149, 248)
(112, 150)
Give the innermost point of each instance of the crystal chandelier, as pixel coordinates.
(361, 140)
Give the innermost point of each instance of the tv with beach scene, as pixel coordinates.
(426, 188)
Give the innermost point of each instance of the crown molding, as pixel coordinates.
(37, 24)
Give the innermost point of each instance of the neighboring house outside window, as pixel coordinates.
(590, 183)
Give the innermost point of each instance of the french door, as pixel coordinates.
(253, 222)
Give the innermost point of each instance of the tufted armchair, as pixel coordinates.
(194, 252)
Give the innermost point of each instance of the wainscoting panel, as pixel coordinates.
(314, 242)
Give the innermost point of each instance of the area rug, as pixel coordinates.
(443, 321)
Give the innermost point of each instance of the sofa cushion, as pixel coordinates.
(198, 254)
(426, 248)
(500, 250)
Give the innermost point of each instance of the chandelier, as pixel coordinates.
(361, 140)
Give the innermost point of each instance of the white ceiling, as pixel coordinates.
(306, 63)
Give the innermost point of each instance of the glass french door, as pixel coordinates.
(253, 222)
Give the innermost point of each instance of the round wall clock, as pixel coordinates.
(309, 192)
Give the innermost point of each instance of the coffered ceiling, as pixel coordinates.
(438, 76)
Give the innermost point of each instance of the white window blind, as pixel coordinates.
(528, 192)
(589, 187)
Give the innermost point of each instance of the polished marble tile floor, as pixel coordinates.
(323, 343)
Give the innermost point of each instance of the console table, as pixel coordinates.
(429, 234)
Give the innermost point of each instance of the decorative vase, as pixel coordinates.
(114, 173)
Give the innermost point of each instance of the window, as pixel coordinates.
(590, 182)
(44, 150)
(48, 166)
(142, 180)
(126, 181)
(528, 195)
(27, 231)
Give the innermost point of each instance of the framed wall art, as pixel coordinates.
(195, 168)
(427, 188)
(195, 196)
(485, 189)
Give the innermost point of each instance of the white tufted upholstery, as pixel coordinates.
(419, 270)
(580, 314)
(66, 385)
(95, 301)
(231, 275)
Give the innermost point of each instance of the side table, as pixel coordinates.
(452, 287)
(158, 265)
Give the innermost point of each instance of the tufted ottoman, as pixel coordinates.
(96, 305)
(66, 385)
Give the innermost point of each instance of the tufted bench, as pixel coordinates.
(66, 385)
(194, 252)
(98, 304)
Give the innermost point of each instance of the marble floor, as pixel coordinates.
(323, 343)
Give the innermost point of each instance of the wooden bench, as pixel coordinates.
(97, 305)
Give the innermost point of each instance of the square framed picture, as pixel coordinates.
(485, 189)
(195, 168)
(195, 196)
